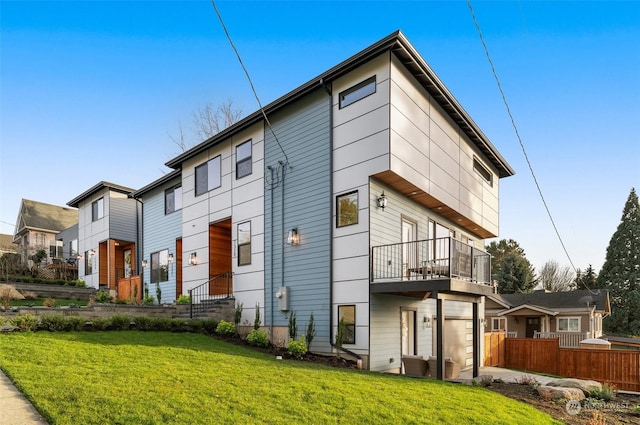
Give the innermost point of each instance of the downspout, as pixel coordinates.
(139, 239)
(271, 294)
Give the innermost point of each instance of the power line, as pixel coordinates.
(253, 89)
(515, 127)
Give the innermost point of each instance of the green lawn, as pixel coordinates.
(133, 377)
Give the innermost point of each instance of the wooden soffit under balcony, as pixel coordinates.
(418, 195)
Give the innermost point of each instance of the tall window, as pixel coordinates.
(244, 243)
(73, 248)
(160, 266)
(357, 92)
(208, 176)
(243, 159)
(97, 209)
(173, 199)
(348, 312)
(88, 263)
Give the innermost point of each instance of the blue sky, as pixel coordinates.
(91, 91)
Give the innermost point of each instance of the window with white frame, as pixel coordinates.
(208, 176)
(244, 243)
(498, 324)
(172, 199)
(55, 249)
(97, 209)
(243, 159)
(357, 92)
(568, 324)
(73, 248)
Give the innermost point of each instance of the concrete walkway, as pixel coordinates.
(15, 409)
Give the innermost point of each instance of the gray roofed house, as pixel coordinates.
(38, 224)
(570, 316)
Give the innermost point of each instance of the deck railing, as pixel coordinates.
(430, 259)
(567, 339)
(201, 297)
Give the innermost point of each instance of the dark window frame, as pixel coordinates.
(482, 171)
(97, 209)
(205, 167)
(242, 247)
(350, 328)
(157, 274)
(358, 92)
(176, 205)
(88, 263)
(341, 215)
(245, 160)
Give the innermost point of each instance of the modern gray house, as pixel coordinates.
(366, 196)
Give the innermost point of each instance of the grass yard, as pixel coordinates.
(133, 377)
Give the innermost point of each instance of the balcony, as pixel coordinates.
(418, 269)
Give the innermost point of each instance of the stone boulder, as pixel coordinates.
(587, 386)
(555, 393)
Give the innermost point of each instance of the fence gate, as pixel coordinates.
(494, 348)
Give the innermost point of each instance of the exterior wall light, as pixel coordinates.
(92, 252)
(170, 258)
(144, 264)
(193, 258)
(293, 238)
(382, 201)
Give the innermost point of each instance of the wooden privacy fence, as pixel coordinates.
(617, 367)
(130, 288)
(494, 349)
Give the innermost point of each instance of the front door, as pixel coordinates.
(533, 325)
(408, 332)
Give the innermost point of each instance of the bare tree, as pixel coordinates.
(208, 120)
(554, 278)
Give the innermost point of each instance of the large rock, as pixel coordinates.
(587, 386)
(555, 393)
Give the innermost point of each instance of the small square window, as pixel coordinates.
(347, 209)
(357, 92)
(348, 313)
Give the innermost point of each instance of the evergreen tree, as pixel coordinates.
(586, 279)
(510, 267)
(620, 273)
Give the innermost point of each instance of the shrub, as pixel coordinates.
(225, 328)
(528, 380)
(607, 393)
(159, 293)
(311, 331)
(148, 300)
(183, 299)
(340, 333)
(258, 338)
(297, 348)
(103, 297)
(51, 323)
(100, 324)
(293, 326)
(256, 321)
(49, 302)
(29, 295)
(209, 326)
(25, 322)
(120, 321)
(237, 314)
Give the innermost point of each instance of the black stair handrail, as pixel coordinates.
(201, 293)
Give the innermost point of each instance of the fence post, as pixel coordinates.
(190, 304)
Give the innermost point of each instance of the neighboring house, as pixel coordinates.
(368, 199)
(37, 225)
(162, 235)
(571, 316)
(107, 236)
(69, 239)
(6, 245)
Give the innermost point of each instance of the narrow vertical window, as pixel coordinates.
(243, 160)
(160, 266)
(172, 199)
(88, 263)
(244, 243)
(348, 313)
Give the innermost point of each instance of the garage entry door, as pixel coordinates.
(458, 341)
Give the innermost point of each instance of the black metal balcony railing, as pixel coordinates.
(440, 258)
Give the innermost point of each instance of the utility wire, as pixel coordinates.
(253, 89)
(515, 127)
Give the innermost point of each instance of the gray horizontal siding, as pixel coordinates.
(122, 219)
(304, 133)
